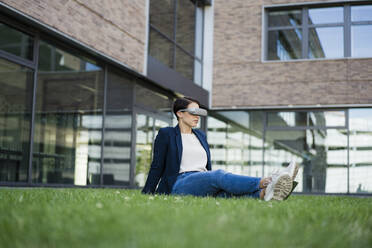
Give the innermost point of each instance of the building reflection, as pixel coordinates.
(318, 140)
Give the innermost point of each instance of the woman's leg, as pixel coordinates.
(210, 183)
(224, 194)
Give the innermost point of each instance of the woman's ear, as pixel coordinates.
(179, 114)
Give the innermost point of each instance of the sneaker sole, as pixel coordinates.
(297, 167)
(282, 187)
(293, 187)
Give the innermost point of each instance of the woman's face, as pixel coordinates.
(187, 118)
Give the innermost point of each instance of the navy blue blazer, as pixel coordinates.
(166, 161)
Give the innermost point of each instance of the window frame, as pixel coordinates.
(27, 31)
(304, 27)
(173, 40)
(66, 43)
(308, 113)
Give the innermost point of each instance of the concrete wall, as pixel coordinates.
(241, 79)
(116, 28)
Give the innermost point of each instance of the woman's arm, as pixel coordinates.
(158, 162)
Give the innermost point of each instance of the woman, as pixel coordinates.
(182, 164)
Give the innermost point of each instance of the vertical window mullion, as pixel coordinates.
(266, 35)
(198, 44)
(348, 149)
(195, 39)
(347, 31)
(174, 33)
(202, 33)
(202, 46)
(305, 32)
(133, 136)
(105, 82)
(33, 106)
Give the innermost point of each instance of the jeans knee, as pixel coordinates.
(218, 174)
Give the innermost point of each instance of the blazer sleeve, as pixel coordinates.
(158, 162)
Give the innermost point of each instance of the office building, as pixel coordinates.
(86, 85)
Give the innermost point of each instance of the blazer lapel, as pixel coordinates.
(178, 143)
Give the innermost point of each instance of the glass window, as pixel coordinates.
(238, 156)
(198, 73)
(327, 118)
(253, 155)
(241, 118)
(161, 48)
(361, 40)
(285, 44)
(153, 101)
(188, 36)
(361, 13)
(322, 155)
(16, 42)
(360, 124)
(118, 129)
(184, 63)
(280, 148)
(199, 33)
(326, 15)
(185, 36)
(255, 143)
(286, 119)
(117, 148)
(15, 114)
(285, 18)
(154, 112)
(326, 42)
(235, 147)
(68, 119)
(217, 141)
(322, 36)
(147, 129)
(145, 137)
(198, 67)
(162, 16)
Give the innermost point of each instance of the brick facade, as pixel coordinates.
(241, 79)
(116, 28)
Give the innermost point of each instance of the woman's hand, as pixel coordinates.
(264, 182)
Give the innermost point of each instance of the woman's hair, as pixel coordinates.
(182, 103)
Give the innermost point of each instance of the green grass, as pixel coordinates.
(126, 218)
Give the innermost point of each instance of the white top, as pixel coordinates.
(194, 157)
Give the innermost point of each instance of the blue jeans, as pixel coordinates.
(218, 183)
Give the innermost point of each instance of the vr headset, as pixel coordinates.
(195, 111)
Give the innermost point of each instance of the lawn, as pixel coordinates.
(126, 218)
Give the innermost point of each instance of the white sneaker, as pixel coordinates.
(280, 186)
(282, 183)
(292, 169)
